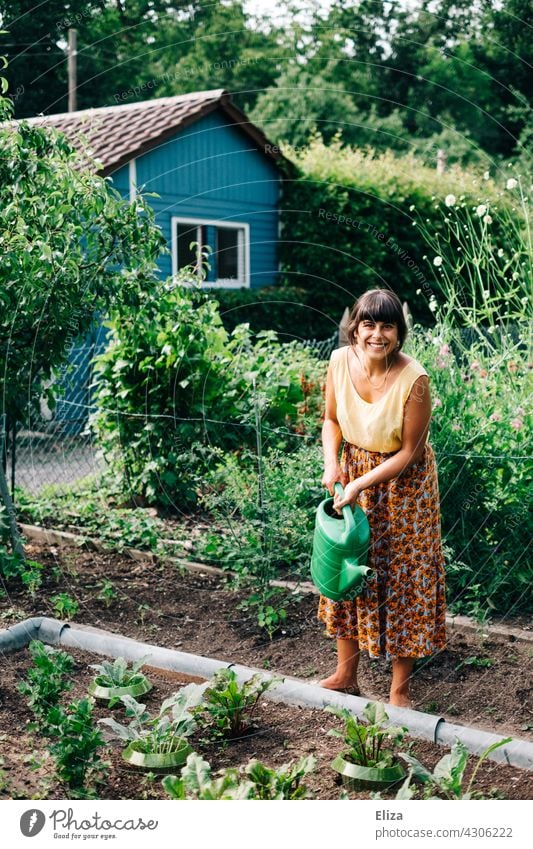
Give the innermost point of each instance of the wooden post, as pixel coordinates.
(407, 315)
(72, 69)
(343, 327)
(441, 161)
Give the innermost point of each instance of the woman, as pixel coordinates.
(378, 402)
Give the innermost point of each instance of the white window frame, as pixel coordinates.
(243, 250)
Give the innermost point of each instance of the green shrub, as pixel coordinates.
(479, 433)
(173, 387)
(348, 226)
(75, 749)
(283, 309)
(274, 538)
(479, 358)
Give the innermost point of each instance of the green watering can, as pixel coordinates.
(340, 549)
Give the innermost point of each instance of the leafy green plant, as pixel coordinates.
(197, 782)
(229, 706)
(45, 681)
(107, 593)
(15, 568)
(285, 782)
(75, 749)
(92, 506)
(164, 732)
(366, 742)
(264, 514)
(258, 782)
(474, 660)
(164, 376)
(118, 673)
(64, 605)
(270, 617)
(446, 780)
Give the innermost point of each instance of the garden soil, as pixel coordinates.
(199, 613)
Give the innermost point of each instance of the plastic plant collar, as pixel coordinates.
(156, 760)
(365, 776)
(106, 693)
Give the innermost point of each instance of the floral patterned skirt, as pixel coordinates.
(401, 612)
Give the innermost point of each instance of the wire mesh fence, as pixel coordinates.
(56, 447)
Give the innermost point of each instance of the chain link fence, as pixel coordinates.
(56, 447)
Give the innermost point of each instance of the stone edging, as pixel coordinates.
(454, 624)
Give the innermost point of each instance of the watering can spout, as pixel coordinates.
(340, 549)
(352, 576)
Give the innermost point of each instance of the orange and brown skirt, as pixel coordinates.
(401, 612)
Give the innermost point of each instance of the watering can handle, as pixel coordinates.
(347, 512)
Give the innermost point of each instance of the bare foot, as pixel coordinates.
(401, 701)
(334, 682)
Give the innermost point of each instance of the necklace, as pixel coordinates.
(373, 385)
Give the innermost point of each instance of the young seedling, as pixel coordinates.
(118, 673)
(64, 606)
(108, 593)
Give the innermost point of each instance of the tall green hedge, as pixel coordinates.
(349, 225)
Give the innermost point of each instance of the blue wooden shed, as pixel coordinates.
(217, 177)
(218, 182)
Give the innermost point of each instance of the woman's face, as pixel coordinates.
(377, 339)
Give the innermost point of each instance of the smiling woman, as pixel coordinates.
(378, 404)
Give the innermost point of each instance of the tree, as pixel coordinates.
(70, 246)
(133, 50)
(34, 45)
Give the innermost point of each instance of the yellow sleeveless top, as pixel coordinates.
(373, 426)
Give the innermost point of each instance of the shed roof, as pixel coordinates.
(117, 134)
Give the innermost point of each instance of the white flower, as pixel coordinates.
(486, 175)
(449, 200)
(511, 183)
(487, 219)
(437, 261)
(481, 210)
(433, 304)
(500, 252)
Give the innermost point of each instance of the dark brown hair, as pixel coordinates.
(378, 305)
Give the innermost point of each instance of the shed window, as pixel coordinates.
(229, 250)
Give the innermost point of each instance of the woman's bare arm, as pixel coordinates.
(331, 439)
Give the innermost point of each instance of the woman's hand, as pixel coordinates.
(332, 474)
(352, 491)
